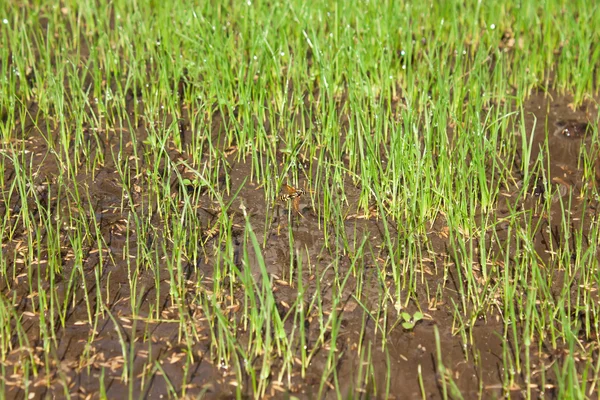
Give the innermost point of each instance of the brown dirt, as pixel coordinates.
(79, 362)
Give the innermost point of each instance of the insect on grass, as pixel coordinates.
(288, 193)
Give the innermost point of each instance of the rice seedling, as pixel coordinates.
(438, 163)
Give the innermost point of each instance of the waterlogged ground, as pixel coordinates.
(153, 356)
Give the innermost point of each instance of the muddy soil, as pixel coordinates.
(409, 355)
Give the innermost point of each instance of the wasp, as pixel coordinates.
(290, 193)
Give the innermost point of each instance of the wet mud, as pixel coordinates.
(405, 366)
